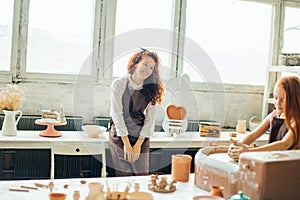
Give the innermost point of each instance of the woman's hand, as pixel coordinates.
(136, 152)
(235, 150)
(128, 152)
(127, 148)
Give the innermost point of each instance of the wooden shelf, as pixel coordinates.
(273, 72)
(293, 69)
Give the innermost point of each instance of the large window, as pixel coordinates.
(6, 16)
(234, 34)
(60, 36)
(131, 15)
(54, 38)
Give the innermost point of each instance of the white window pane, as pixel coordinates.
(60, 36)
(234, 34)
(6, 17)
(291, 42)
(137, 15)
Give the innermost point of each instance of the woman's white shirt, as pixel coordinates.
(116, 111)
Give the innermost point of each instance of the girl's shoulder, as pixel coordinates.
(273, 114)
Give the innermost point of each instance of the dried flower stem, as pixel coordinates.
(11, 97)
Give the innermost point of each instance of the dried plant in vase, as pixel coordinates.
(11, 97)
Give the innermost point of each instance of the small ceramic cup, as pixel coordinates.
(241, 126)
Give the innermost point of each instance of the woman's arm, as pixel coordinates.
(257, 132)
(235, 150)
(116, 109)
(284, 144)
(149, 122)
(146, 131)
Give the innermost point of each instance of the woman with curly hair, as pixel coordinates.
(284, 121)
(133, 101)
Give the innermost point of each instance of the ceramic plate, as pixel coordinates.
(207, 197)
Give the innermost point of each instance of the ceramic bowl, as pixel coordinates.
(57, 196)
(93, 130)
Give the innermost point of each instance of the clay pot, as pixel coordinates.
(57, 196)
(95, 191)
(76, 195)
(217, 191)
(181, 167)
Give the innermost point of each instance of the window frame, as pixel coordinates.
(19, 48)
(104, 29)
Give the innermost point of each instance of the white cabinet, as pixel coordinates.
(273, 73)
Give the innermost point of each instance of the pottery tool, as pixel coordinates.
(29, 187)
(40, 185)
(18, 190)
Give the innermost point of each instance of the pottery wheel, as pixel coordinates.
(223, 157)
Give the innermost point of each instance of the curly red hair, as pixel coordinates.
(152, 87)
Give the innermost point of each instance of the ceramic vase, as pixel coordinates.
(9, 127)
(95, 191)
(241, 126)
(76, 195)
(216, 190)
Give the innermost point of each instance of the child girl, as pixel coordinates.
(284, 121)
(132, 111)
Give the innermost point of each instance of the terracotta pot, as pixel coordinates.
(57, 196)
(181, 167)
(217, 191)
(95, 191)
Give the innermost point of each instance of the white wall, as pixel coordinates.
(89, 101)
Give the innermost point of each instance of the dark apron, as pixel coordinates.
(278, 130)
(134, 105)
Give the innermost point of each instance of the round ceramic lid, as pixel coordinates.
(239, 196)
(139, 196)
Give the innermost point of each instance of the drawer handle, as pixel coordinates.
(77, 150)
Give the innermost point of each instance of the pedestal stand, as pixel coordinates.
(50, 130)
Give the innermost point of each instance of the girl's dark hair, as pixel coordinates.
(152, 87)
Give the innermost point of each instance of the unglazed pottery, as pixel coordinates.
(57, 196)
(181, 166)
(241, 126)
(95, 191)
(139, 196)
(176, 112)
(216, 190)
